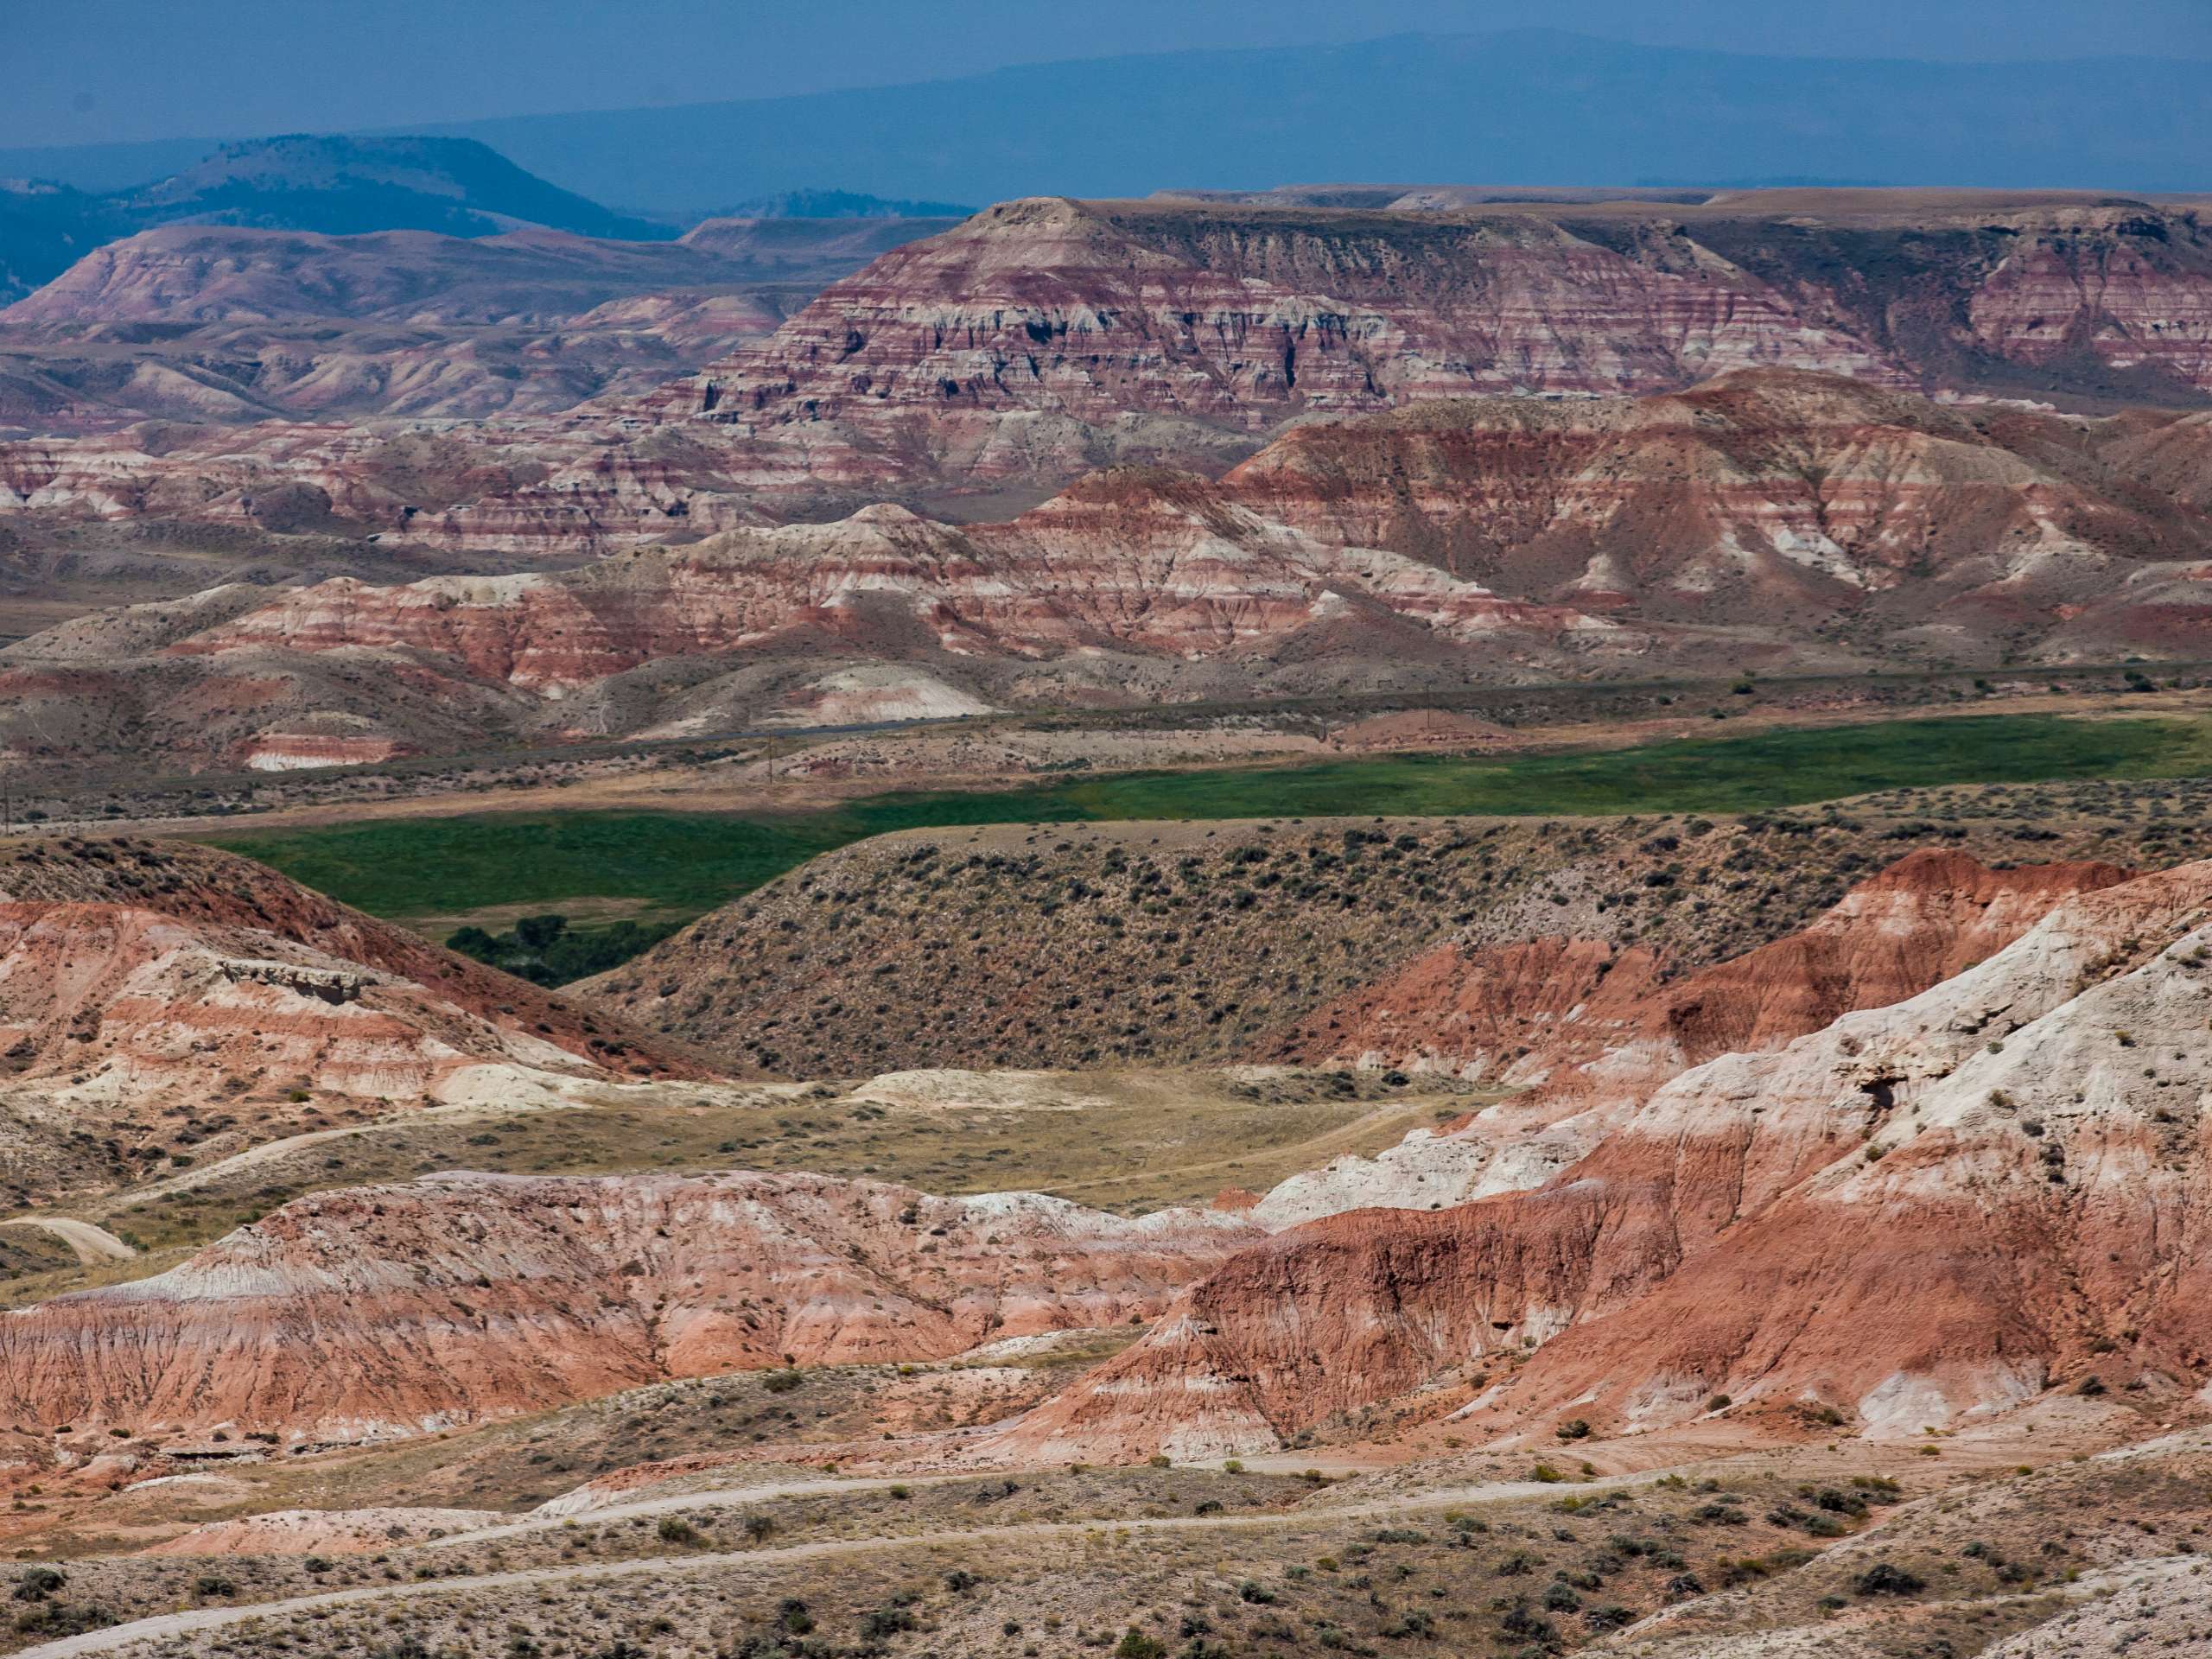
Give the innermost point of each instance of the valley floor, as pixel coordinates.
(1875, 1552)
(665, 844)
(1002, 954)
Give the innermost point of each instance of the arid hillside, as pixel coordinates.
(468, 1295)
(1918, 1216)
(1496, 1008)
(1041, 339)
(163, 1004)
(227, 324)
(1081, 944)
(1818, 505)
(1770, 520)
(1767, 1229)
(1831, 1232)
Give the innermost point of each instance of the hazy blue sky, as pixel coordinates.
(92, 71)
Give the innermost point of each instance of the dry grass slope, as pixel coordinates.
(1151, 944)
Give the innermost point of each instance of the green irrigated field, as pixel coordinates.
(681, 864)
(1742, 774)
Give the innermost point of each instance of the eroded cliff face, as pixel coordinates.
(397, 1310)
(1758, 497)
(1149, 568)
(2127, 290)
(1045, 338)
(1929, 1157)
(1770, 517)
(1081, 316)
(1086, 320)
(1915, 1215)
(206, 890)
(1561, 1011)
(155, 997)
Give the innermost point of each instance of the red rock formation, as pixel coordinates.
(1079, 315)
(1146, 566)
(2100, 285)
(399, 1309)
(1920, 1213)
(283, 751)
(1546, 1008)
(1596, 1029)
(1044, 338)
(156, 997)
(230, 324)
(1926, 919)
(1751, 498)
(1486, 1011)
(1786, 511)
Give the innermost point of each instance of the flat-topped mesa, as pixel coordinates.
(397, 1310)
(1916, 1215)
(1240, 315)
(1239, 319)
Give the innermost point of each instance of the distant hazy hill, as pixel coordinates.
(1523, 106)
(341, 187)
(46, 228)
(337, 187)
(839, 204)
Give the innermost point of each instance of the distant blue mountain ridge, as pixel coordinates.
(1527, 106)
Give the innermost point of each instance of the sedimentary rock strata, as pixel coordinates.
(398, 1309)
(1916, 1215)
(1771, 518)
(160, 1001)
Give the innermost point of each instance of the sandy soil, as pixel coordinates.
(93, 1245)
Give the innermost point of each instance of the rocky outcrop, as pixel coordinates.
(1045, 338)
(1918, 1214)
(282, 751)
(1594, 1029)
(1544, 1010)
(162, 1002)
(397, 1310)
(1770, 517)
(333, 985)
(2123, 289)
(1758, 498)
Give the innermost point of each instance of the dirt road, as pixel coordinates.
(197, 1622)
(93, 1245)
